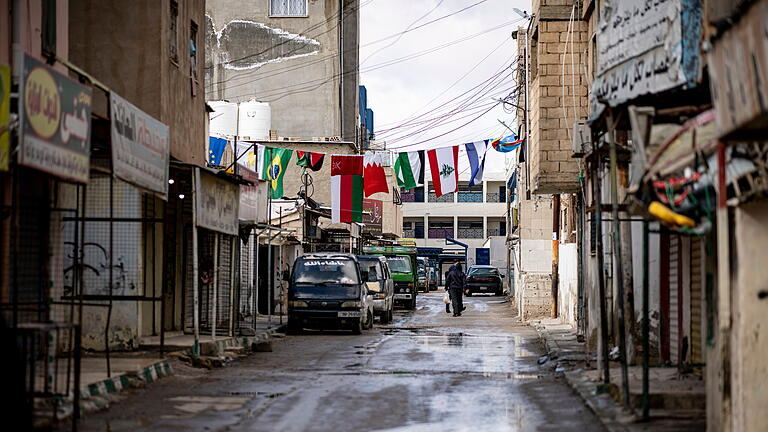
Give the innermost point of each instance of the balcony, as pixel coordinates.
(438, 233)
(447, 198)
(471, 197)
(494, 197)
(470, 233)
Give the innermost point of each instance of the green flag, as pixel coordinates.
(275, 163)
(409, 169)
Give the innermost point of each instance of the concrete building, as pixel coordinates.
(471, 216)
(300, 56)
(552, 61)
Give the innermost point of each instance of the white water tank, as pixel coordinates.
(223, 118)
(255, 120)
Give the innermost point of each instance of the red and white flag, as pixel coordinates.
(346, 165)
(346, 188)
(444, 165)
(374, 179)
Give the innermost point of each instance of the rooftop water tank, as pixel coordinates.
(223, 119)
(255, 120)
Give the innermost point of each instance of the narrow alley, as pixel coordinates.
(427, 371)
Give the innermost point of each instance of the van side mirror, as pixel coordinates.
(286, 275)
(503, 276)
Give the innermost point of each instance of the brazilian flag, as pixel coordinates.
(275, 163)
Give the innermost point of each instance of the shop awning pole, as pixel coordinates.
(195, 277)
(619, 275)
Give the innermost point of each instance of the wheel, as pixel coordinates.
(412, 306)
(357, 326)
(469, 294)
(390, 316)
(369, 321)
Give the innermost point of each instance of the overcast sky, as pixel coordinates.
(411, 88)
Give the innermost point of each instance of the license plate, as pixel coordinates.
(402, 296)
(483, 288)
(349, 314)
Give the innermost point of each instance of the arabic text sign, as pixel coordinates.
(55, 122)
(217, 203)
(5, 116)
(640, 49)
(139, 146)
(373, 214)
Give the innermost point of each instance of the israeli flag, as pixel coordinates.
(476, 155)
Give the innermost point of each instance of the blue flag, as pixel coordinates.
(476, 155)
(216, 148)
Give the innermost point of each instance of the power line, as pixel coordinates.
(265, 94)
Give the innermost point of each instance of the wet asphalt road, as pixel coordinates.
(427, 371)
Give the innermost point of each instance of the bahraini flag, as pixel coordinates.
(444, 164)
(374, 179)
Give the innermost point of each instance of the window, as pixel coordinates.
(287, 8)
(173, 32)
(193, 56)
(48, 34)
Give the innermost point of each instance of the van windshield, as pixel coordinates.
(326, 272)
(399, 264)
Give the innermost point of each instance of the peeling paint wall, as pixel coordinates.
(291, 62)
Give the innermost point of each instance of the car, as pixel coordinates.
(423, 280)
(380, 284)
(329, 290)
(484, 279)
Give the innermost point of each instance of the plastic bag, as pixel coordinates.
(447, 299)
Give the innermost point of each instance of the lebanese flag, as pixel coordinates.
(346, 165)
(374, 179)
(444, 164)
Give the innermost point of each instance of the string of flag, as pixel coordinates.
(354, 177)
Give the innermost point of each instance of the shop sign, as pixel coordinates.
(250, 196)
(139, 146)
(373, 215)
(641, 48)
(5, 116)
(217, 202)
(55, 122)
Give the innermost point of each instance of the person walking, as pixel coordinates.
(455, 285)
(448, 303)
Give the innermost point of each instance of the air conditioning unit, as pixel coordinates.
(581, 138)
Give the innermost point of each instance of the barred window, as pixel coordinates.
(288, 8)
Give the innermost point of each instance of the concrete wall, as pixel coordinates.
(749, 340)
(127, 47)
(278, 60)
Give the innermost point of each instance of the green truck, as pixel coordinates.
(404, 269)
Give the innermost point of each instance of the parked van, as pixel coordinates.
(381, 284)
(328, 290)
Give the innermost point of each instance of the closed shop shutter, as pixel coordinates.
(674, 298)
(697, 289)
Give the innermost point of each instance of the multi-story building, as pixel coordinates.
(471, 216)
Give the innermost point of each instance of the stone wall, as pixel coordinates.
(558, 98)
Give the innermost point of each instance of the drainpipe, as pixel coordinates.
(555, 252)
(341, 69)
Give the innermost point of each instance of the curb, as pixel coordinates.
(216, 348)
(135, 379)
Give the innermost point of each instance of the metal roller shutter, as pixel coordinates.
(697, 289)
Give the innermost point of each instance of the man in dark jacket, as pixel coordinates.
(455, 285)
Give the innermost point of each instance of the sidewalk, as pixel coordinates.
(178, 341)
(677, 402)
(137, 369)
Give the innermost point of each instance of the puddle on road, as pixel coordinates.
(197, 404)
